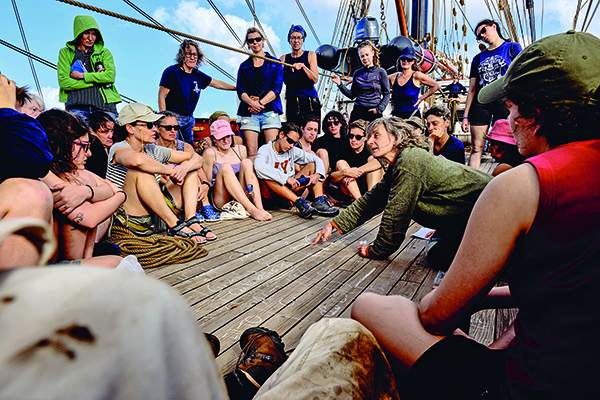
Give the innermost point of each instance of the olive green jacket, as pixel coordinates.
(431, 190)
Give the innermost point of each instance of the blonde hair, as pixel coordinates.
(375, 51)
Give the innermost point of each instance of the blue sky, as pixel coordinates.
(141, 54)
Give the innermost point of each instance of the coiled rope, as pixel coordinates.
(156, 250)
(172, 31)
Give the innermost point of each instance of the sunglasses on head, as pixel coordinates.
(148, 125)
(254, 40)
(355, 137)
(482, 31)
(290, 140)
(170, 127)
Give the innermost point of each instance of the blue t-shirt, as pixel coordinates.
(24, 149)
(453, 150)
(488, 66)
(184, 89)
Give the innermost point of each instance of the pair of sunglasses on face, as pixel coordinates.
(254, 40)
(355, 137)
(481, 32)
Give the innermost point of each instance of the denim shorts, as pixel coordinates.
(186, 132)
(260, 122)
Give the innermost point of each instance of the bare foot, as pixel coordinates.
(198, 228)
(260, 214)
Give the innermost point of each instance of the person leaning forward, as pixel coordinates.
(417, 185)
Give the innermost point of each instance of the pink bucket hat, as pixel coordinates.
(220, 128)
(501, 132)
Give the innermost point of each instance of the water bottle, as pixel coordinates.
(250, 191)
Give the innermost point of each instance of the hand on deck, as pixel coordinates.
(363, 249)
(324, 234)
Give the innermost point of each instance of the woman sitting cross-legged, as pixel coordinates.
(69, 141)
(230, 171)
(167, 137)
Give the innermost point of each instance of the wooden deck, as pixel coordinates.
(268, 274)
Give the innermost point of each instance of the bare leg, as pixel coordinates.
(350, 188)
(251, 138)
(270, 134)
(374, 177)
(394, 321)
(77, 242)
(477, 144)
(306, 170)
(323, 155)
(248, 177)
(103, 261)
(144, 197)
(227, 184)
(281, 190)
(23, 198)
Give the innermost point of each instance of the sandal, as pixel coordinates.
(204, 232)
(176, 231)
(209, 214)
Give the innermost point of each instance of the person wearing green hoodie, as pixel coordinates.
(86, 71)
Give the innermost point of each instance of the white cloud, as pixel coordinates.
(204, 23)
(50, 95)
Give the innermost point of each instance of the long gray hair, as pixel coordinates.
(402, 133)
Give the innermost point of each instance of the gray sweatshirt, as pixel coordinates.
(278, 167)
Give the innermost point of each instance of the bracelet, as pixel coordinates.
(259, 102)
(466, 117)
(205, 183)
(92, 192)
(121, 191)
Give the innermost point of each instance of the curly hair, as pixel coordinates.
(558, 123)
(439, 110)
(340, 117)
(372, 46)
(62, 129)
(183, 47)
(404, 134)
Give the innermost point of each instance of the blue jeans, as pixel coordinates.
(186, 132)
(260, 122)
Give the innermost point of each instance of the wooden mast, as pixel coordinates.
(401, 18)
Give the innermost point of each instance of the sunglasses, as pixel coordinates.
(406, 59)
(254, 40)
(335, 122)
(85, 146)
(290, 140)
(148, 125)
(170, 127)
(355, 137)
(482, 31)
(191, 55)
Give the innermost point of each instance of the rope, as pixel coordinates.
(33, 71)
(260, 26)
(156, 250)
(308, 21)
(214, 7)
(168, 30)
(210, 62)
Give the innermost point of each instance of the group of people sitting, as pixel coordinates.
(535, 224)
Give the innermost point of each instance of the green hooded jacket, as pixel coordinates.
(66, 56)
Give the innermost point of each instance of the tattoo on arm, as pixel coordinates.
(78, 218)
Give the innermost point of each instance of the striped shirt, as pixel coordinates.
(115, 172)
